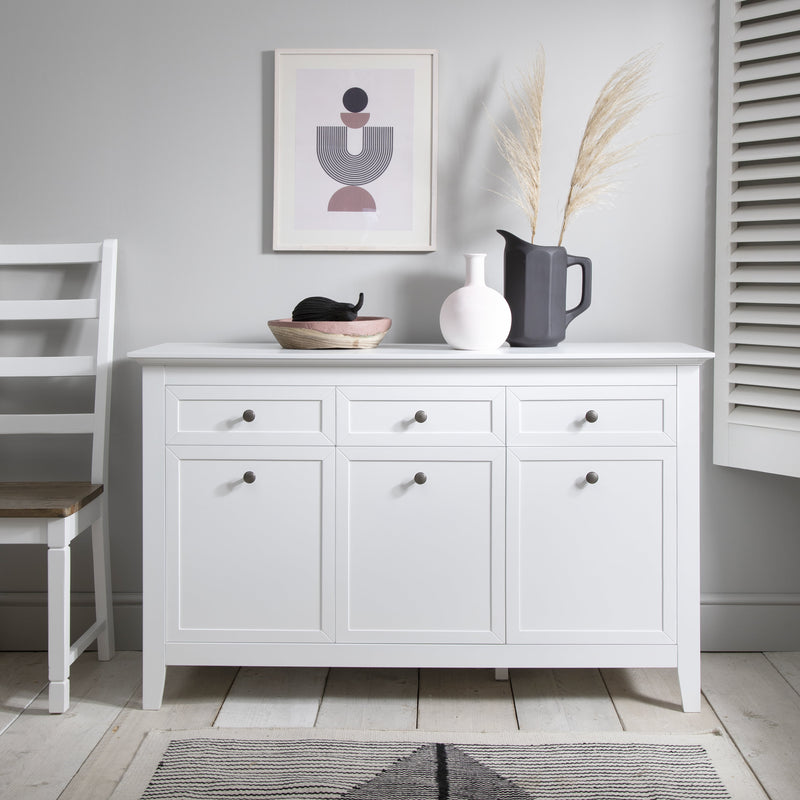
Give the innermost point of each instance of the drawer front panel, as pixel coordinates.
(609, 416)
(257, 415)
(399, 415)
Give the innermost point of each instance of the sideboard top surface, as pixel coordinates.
(566, 353)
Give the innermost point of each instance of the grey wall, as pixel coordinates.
(151, 121)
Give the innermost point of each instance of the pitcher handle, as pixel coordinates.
(586, 286)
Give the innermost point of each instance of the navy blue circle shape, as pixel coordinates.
(355, 100)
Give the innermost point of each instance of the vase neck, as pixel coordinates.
(475, 269)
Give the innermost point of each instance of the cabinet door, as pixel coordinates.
(250, 544)
(591, 545)
(420, 551)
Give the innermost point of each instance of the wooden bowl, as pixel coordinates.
(362, 332)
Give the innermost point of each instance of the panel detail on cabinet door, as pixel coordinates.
(252, 558)
(591, 547)
(420, 544)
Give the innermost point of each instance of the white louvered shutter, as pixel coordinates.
(757, 331)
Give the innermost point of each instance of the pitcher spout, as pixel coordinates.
(511, 239)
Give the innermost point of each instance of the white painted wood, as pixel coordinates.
(761, 712)
(464, 700)
(563, 700)
(370, 699)
(271, 573)
(57, 534)
(421, 568)
(192, 698)
(578, 553)
(281, 415)
(23, 676)
(788, 664)
(40, 753)
(273, 697)
(420, 562)
(451, 416)
(581, 415)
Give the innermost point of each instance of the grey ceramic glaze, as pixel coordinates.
(536, 290)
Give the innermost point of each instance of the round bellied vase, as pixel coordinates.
(475, 317)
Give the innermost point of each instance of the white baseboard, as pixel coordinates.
(730, 622)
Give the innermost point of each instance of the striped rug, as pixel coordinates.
(318, 765)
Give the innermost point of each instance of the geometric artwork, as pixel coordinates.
(355, 150)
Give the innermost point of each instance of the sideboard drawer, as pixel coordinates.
(400, 415)
(256, 415)
(606, 415)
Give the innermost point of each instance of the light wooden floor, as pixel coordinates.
(754, 698)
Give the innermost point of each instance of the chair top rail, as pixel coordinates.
(46, 366)
(18, 254)
(46, 423)
(80, 308)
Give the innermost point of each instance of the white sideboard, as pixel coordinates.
(420, 506)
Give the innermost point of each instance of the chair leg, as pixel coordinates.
(104, 609)
(58, 633)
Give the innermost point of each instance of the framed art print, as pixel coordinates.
(355, 150)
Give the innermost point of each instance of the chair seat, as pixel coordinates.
(46, 499)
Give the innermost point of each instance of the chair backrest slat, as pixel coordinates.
(46, 423)
(81, 308)
(101, 307)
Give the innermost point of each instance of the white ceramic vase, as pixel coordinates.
(475, 317)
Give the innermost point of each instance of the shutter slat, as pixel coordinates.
(774, 88)
(761, 273)
(766, 315)
(766, 397)
(777, 212)
(774, 295)
(765, 8)
(775, 108)
(766, 376)
(771, 48)
(766, 418)
(766, 193)
(767, 172)
(766, 356)
(771, 335)
(765, 130)
(767, 70)
(760, 28)
(778, 232)
(765, 253)
(762, 152)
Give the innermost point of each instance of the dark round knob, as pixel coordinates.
(592, 477)
(249, 415)
(420, 478)
(249, 477)
(420, 416)
(592, 416)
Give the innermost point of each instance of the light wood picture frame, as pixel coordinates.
(355, 150)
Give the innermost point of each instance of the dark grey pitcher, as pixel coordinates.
(536, 290)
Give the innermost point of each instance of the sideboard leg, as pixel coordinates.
(501, 674)
(689, 680)
(154, 671)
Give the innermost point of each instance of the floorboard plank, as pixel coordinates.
(22, 677)
(40, 752)
(464, 700)
(563, 700)
(788, 664)
(761, 712)
(649, 701)
(370, 699)
(273, 697)
(192, 699)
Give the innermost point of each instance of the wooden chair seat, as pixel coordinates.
(47, 499)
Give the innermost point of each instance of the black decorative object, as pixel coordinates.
(323, 308)
(536, 290)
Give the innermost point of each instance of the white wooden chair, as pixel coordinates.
(50, 513)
